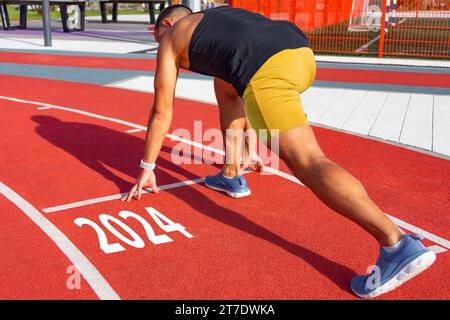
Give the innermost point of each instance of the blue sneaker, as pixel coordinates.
(393, 268)
(235, 187)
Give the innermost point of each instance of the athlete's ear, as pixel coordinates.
(166, 23)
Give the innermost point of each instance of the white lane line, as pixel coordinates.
(117, 196)
(436, 249)
(282, 174)
(133, 130)
(402, 224)
(85, 113)
(44, 108)
(120, 195)
(100, 286)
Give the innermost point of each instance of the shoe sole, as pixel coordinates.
(235, 195)
(412, 269)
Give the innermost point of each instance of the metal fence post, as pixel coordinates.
(292, 6)
(46, 22)
(382, 29)
(417, 9)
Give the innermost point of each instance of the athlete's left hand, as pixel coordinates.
(146, 179)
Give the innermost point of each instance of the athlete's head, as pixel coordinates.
(168, 17)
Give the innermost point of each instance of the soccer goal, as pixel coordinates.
(366, 15)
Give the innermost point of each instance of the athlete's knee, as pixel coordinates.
(303, 159)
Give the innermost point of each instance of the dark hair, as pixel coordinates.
(167, 12)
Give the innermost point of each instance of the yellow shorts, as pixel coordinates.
(272, 97)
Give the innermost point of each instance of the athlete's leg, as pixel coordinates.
(232, 120)
(272, 102)
(336, 187)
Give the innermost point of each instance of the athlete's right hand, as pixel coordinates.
(146, 179)
(252, 161)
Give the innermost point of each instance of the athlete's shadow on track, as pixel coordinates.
(99, 147)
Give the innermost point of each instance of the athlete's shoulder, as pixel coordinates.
(219, 9)
(226, 10)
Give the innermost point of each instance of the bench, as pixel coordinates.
(24, 7)
(115, 3)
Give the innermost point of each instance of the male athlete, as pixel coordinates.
(260, 67)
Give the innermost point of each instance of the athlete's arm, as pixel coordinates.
(160, 116)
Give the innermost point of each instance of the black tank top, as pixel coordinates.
(232, 44)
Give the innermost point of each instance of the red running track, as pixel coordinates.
(280, 243)
(440, 80)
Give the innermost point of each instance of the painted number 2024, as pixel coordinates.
(134, 240)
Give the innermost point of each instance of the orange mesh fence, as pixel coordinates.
(419, 28)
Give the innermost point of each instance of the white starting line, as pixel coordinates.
(436, 239)
(118, 196)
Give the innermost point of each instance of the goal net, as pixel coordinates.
(366, 15)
